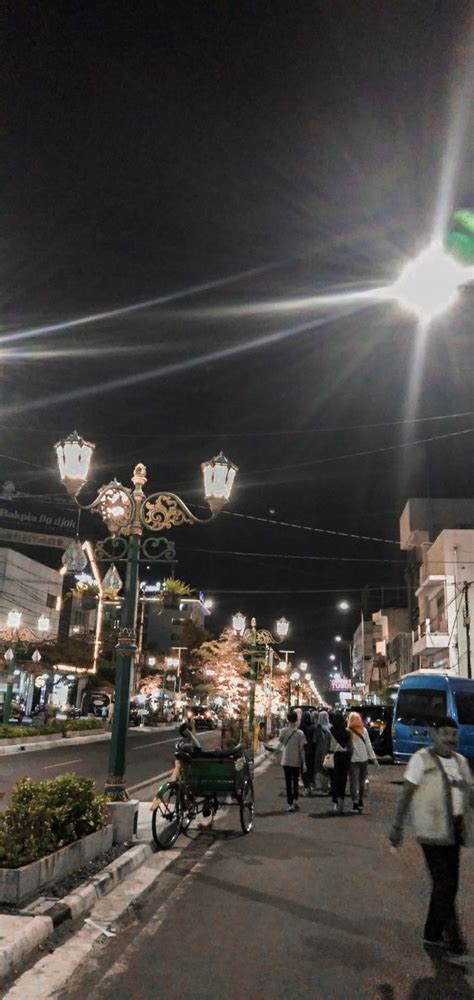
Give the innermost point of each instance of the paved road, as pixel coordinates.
(309, 905)
(149, 753)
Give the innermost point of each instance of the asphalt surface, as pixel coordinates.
(150, 753)
(308, 905)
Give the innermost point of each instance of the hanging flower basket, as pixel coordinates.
(87, 594)
(173, 591)
(88, 602)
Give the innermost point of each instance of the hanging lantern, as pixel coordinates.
(74, 558)
(238, 622)
(282, 627)
(74, 456)
(219, 475)
(14, 619)
(43, 624)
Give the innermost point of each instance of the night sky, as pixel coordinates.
(207, 158)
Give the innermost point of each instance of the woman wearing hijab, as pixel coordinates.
(321, 740)
(362, 753)
(340, 745)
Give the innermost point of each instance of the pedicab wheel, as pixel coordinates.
(166, 819)
(247, 806)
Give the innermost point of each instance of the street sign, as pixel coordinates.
(27, 515)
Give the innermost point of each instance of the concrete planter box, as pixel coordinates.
(18, 884)
(124, 819)
(14, 741)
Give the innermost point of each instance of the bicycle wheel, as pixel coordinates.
(166, 818)
(247, 806)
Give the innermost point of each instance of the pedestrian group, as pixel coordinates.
(323, 755)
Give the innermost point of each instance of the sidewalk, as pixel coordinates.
(308, 905)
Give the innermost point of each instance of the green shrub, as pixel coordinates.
(58, 727)
(44, 816)
(9, 732)
(76, 725)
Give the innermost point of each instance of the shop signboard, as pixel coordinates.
(30, 522)
(340, 684)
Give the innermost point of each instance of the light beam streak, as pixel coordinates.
(120, 311)
(173, 368)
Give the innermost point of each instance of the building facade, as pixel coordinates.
(439, 536)
(34, 592)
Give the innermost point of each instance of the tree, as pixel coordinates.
(217, 669)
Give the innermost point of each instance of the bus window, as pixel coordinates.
(465, 707)
(419, 705)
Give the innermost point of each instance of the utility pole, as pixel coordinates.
(467, 626)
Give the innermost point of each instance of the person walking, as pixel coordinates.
(292, 741)
(307, 727)
(321, 741)
(340, 745)
(437, 791)
(362, 752)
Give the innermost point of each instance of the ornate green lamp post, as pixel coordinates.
(129, 515)
(255, 642)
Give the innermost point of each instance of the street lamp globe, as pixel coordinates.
(238, 622)
(282, 627)
(295, 676)
(14, 619)
(344, 606)
(43, 624)
(307, 677)
(74, 456)
(429, 284)
(332, 656)
(338, 638)
(218, 474)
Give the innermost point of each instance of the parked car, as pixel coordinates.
(204, 718)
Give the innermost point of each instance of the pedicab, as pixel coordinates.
(203, 782)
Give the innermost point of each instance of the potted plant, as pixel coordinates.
(172, 590)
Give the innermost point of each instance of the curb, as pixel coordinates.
(71, 741)
(50, 742)
(15, 952)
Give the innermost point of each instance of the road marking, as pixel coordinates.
(62, 764)
(157, 743)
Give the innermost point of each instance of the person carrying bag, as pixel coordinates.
(362, 754)
(340, 753)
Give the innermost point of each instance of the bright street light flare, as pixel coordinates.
(429, 284)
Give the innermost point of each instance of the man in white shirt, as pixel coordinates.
(437, 789)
